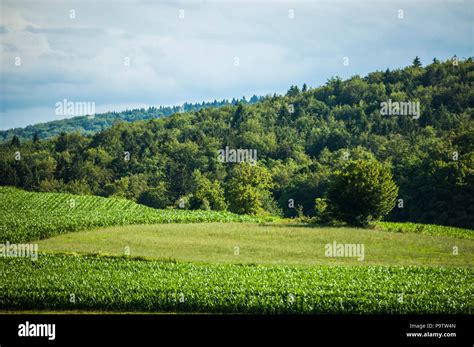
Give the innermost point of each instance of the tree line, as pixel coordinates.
(312, 145)
(91, 124)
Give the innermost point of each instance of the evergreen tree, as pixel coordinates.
(15, 142)
(417, 62)
(36, 138)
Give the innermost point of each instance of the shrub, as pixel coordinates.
(321, 209)
(361, 192)
(155, 197)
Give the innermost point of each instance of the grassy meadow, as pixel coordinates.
(281, 244)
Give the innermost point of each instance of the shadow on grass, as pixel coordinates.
(310, 225)
(95, 255)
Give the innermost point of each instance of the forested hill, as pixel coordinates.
(89, 125)
(300, 140)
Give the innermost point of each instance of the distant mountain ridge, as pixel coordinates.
(87, 125)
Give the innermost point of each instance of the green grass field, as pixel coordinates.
(216, 267)
(264, 244)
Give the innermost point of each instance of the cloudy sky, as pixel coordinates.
(204, 49)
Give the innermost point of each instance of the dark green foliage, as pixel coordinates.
(15, 142)
(363, 191)
(155, 197)
(417, 62)
(207, 194)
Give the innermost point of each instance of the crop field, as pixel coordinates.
(30, 216)
(243, 266)
(56, 282)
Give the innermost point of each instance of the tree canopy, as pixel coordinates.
(361, 192)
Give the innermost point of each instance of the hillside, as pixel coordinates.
(30, 216)
(300, 140)
(87, 125)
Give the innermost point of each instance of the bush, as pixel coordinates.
(270, 205)
(155, 197)
(128, 187)
(78, 187)
(321, 209)
(51, 186)
(361, 192)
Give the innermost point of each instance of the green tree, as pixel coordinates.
(293, 91)
(79, 187)
(417, 62)
(36, 138)
(155, 197)
(51, 186)
(362, 191)
(207, 194)
(15, 142)
(239, 116)
(247, 188)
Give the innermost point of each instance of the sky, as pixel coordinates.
(127, 54)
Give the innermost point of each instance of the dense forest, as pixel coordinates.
(88, 125)
(300, 140)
